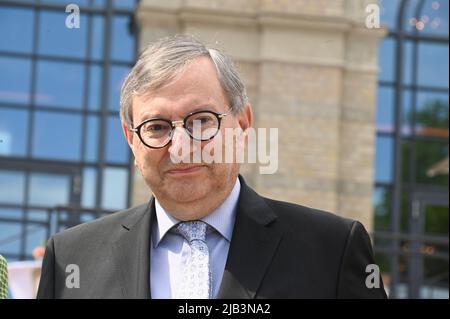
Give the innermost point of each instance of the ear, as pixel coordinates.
(128, 134)
(245, 117)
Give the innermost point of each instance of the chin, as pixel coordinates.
(188, 195)
(188, 190)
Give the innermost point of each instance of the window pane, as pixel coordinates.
(433, 64)
(382, 208)
(97, 37)
(99, 3)
(435, 17)
(19, 23)
(60, 84)
(384, 159)
(86, 217)
(115, 188)
(436, 220)
(408, 65)
(95, 87)
(36, 237)
(385, 109)
(410, 19)
(57, 136)
(435, 284)
(405, 213)
(407, 101)
(116, 145)
(92, 144)
(436, 224)
(65, 2)
(117, 76)
(388, 13)
(407, 174)
(37, 215)
(386, 59)
(432, 113)
(124, 4)
(12, 187)
(122, 39)
(11, 213)
(13, 132)
(89, 189)
(10, 234)
(15, 80)
(56, 39)
(430, 162)
(49, 189)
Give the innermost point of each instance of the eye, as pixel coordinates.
(203, 119)
(155, 127)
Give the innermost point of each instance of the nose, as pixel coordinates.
(180, 148)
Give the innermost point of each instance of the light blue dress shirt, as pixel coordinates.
(170, 251)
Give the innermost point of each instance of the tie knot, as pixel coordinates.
(193, 230)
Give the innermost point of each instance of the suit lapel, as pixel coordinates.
(253, 245)
(254, 242)
(131, 252)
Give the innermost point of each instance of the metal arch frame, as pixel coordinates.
(400, 35)
(28, 164)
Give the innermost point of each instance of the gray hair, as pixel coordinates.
(162, 60)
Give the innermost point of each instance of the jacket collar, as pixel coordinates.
(255, 237)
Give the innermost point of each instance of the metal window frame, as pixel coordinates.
(400, 35)
(28, 163)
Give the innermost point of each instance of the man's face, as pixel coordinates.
(185, 186)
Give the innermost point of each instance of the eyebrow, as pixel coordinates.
(146, 117)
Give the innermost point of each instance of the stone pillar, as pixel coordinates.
(310, 67)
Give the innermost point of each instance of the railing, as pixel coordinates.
(415, 278)
(63, 217)
(57, 219)
(427, 248)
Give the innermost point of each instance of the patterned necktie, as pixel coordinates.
(196, 279)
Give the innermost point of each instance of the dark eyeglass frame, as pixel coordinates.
(173, 125)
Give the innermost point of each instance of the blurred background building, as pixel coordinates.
(362, 115)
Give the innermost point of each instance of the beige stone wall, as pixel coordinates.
(310, 67)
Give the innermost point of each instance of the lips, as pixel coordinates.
(185, 169)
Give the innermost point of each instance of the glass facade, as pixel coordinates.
(410, 197)
(61, 148)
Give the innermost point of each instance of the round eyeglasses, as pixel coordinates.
(200, 126)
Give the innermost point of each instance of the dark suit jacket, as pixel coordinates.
(277, 250)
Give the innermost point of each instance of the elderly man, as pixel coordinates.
(205, 233)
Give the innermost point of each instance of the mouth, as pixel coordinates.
(185, 170)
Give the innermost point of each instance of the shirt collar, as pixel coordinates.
(222, 219)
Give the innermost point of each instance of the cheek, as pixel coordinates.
(147, 160)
